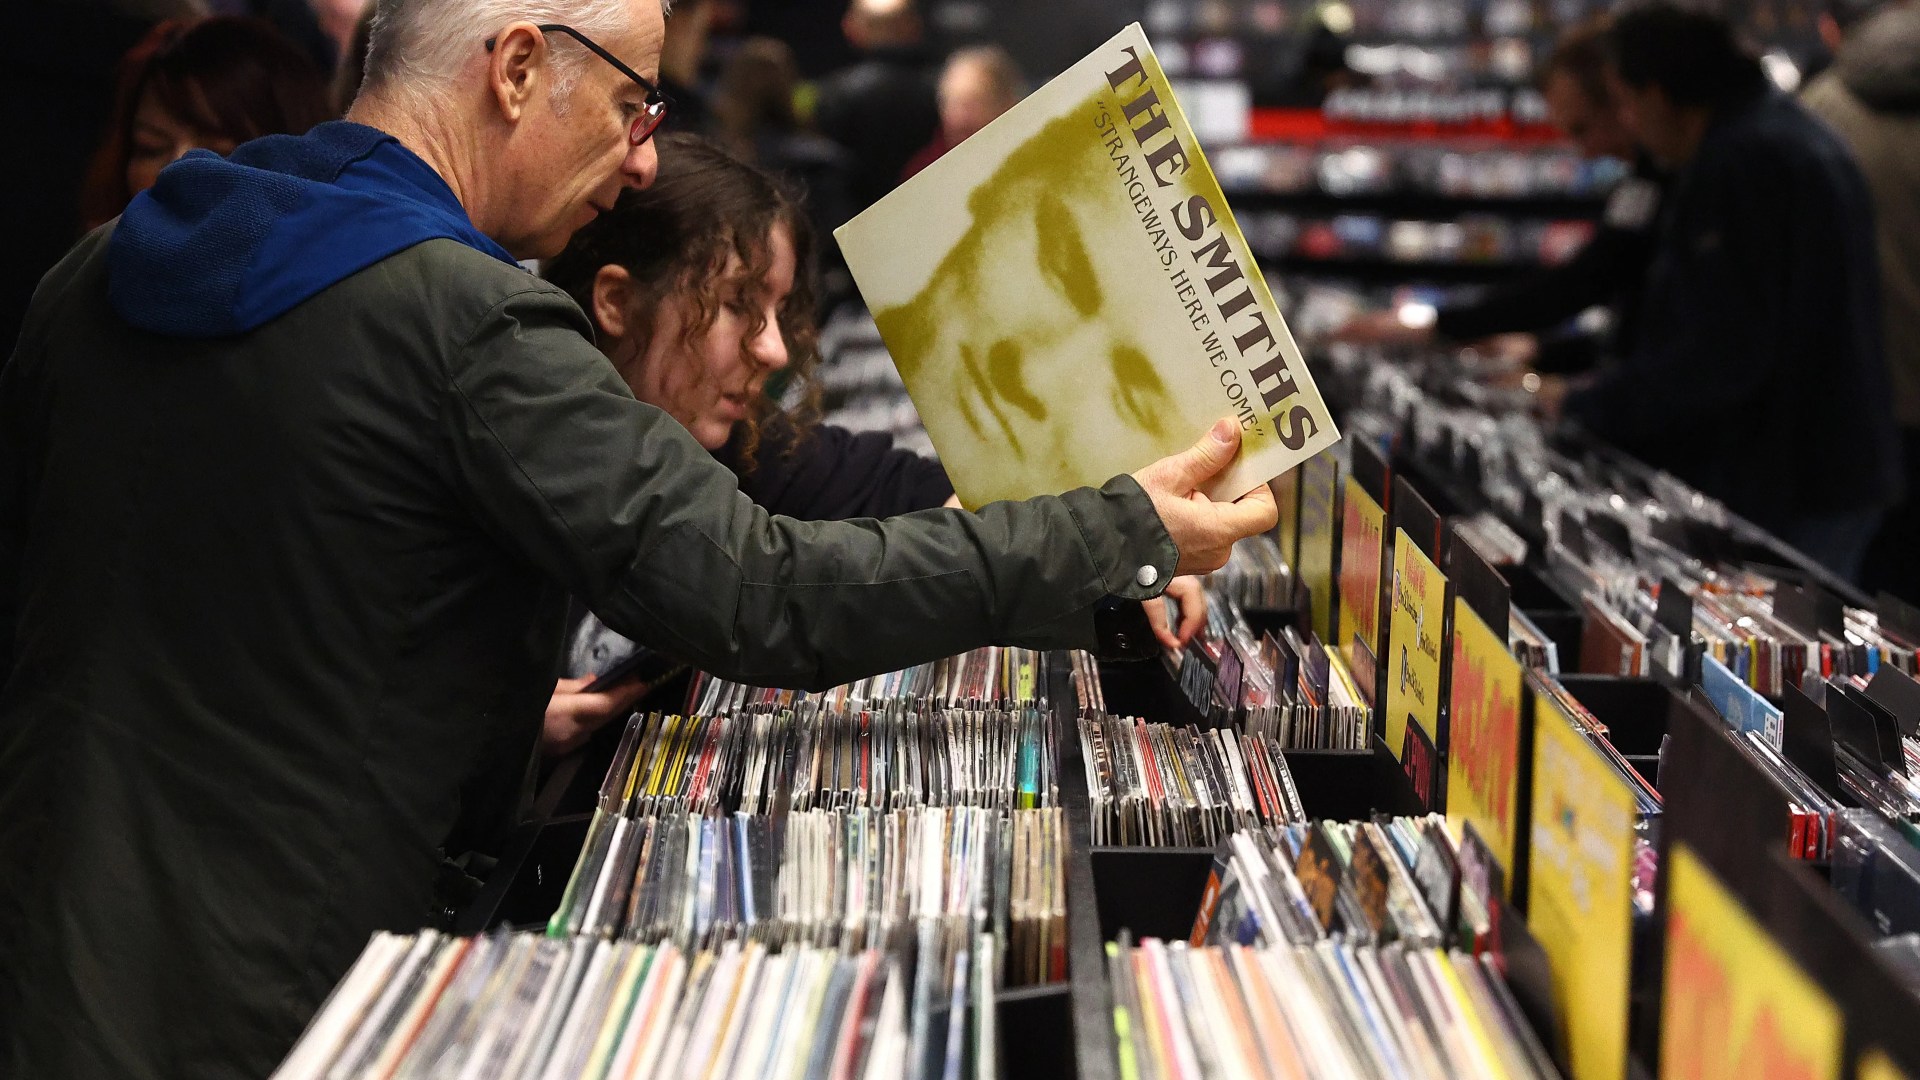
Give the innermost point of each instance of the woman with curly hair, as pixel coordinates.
(701, 291)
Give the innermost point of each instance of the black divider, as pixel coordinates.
(1143, 688)
(1034, 1021)
(526, 891)
(1153, 892)
(1635, 711)
(1091, 1046)
(1541, 601)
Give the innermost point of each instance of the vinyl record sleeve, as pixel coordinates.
(1068, 298)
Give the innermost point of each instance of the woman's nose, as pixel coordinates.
(770, 346)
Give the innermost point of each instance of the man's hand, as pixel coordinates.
(1202, 529)
(1192, 596)
(572, 715)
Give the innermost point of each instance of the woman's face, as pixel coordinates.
(711, 383)
(159, 138)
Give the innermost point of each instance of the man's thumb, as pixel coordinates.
(1204, 459)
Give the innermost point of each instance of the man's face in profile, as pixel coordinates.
(1051, 373)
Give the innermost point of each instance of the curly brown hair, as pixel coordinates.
(675, 238)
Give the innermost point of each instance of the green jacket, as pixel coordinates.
(279, 600)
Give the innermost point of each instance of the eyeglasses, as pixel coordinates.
(653, 110)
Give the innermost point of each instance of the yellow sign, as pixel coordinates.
(1286, 496)
(1875, 1065)
(1735, 1006)
(1483, 736)
(1362, 528)
(1580, 890)
(1417, 611)
(1319, 490)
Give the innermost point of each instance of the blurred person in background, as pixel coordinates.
(883, 109)
(977, 85)
(1871, 96)
(338, 20)
(1757, 373)
(682, 56)
(209, 84)
(701, 290)
(316, 27)
(753, 114)
(1608, 270)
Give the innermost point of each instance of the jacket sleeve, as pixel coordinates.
(831, 474)
(614, 500)
(18, 469)
(1728, 265)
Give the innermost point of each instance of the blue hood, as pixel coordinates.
(220, 246)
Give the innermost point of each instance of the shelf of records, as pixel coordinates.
(1438, 173)
(1468, 245)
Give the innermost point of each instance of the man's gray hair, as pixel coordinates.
(422, 44)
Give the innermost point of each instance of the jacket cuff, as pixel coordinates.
(1131, 551)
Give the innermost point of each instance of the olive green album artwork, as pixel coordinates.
(1068, 298)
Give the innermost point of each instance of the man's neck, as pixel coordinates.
(444, 154)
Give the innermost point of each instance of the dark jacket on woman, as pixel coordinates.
(297, 470)
(1757, 375)
(832, 473)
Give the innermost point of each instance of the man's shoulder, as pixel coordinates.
(1782, 140)
(457, 285)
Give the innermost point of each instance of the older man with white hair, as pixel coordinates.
(292, 457)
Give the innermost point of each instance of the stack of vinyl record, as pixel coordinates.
(1287, 687)
(1332, 1009)
(1256, 575)
(833, 821)
(530, 1007)
(1372, 882)
(997, 677)
(1329, 949)
(1531, 646)
(1157, 785)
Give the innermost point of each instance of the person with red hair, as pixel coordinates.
(207, 84)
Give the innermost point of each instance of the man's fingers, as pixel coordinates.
(1157, 618)
(1192, 618)
(1254, 512)
(1200, 462)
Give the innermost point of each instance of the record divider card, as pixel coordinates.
(1319, 548)
(1580, 890)
(1489, 749)
(1414, 651)
(1363, 563)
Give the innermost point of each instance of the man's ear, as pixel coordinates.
(517, 66)
(613, 298)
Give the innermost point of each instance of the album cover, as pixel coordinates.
(1068, 298)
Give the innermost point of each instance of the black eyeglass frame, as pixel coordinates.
(653, 107)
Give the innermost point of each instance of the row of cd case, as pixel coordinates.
(524, 1006)
(1331, 1009)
